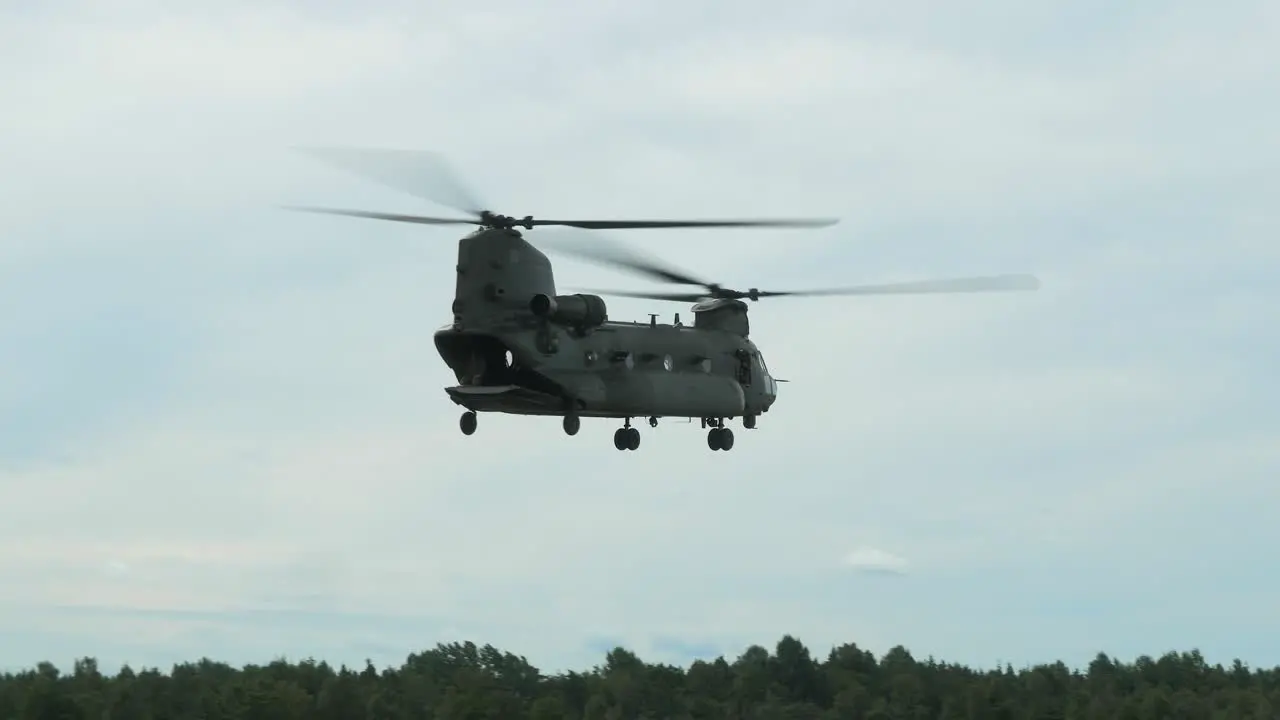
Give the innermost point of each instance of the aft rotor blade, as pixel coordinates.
(672, 297)
(994, 283)
(646, 224)
(603, 251)
(417, 172)
(394, 217)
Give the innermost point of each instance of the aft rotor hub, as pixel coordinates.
(504, 222)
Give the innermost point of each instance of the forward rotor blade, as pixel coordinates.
(416, 219)
(994, 283)
(646, 224)
(606, 252)
(420, 173)
(672, 297)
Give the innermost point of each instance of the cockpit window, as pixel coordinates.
(760, 359)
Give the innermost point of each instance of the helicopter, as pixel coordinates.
(517, 346)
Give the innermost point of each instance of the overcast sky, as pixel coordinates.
(223, 430)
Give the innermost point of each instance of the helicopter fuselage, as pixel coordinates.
(517, 347)
(616, 370)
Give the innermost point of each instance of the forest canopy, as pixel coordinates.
(463, 681)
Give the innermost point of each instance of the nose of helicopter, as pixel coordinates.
(772, 392)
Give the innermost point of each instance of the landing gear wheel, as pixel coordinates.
(467, 423)
(626, 438)
(749, 422)
(720, 439)
(572, 423)
(653, 421)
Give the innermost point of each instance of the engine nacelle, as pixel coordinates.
(581, 311)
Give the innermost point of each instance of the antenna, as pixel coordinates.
(653, 319)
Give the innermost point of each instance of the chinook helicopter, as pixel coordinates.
(517, 346)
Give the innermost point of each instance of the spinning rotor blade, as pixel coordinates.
(490, 220)
(417, 219)
(605, 252)
(673, 297)
(428, 176)
(647, 224)
(424, 174)
(993, 283)
(621, 256)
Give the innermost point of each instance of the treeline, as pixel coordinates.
(461, 681)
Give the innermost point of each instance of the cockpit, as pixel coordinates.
(767, 383)
(753, 373)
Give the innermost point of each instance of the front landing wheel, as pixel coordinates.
(626, 438)
(572, 423)
(468, 423)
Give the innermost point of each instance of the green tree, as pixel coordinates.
(465, 681)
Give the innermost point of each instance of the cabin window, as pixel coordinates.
(666, 363)
(590, 356)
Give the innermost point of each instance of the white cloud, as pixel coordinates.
(211, 407)
(875, 560)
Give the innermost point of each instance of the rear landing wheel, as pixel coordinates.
(720, 439)
(468, 423)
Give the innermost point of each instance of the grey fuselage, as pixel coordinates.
(516, 347)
